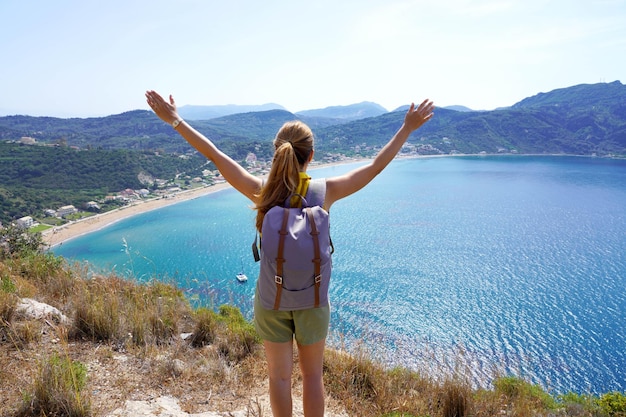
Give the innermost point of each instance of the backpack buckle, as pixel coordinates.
(318, 279)
(278, 280)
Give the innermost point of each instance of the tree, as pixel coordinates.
(17, 241)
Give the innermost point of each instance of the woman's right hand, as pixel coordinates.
(164, 110)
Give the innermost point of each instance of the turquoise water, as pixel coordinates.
(483, 265)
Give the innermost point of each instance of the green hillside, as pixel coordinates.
(583, 119)
(587, 119)
(35, 178)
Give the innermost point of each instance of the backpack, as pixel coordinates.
(295, 254)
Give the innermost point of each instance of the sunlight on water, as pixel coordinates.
(487, 266)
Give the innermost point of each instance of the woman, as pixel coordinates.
(293, 152)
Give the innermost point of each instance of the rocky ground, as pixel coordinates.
(171, 381)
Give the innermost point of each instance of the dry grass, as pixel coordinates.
(127, 338)
(123, 342)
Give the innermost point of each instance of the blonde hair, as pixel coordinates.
(293, 145)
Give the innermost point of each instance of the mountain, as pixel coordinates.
(584, 119)
(578, 97)
(192, 112)
(136, 129)
(334, 113)
(351, 112)
(458, 108)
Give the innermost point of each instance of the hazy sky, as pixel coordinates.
(71, 58)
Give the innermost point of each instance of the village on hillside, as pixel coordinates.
(51, 218)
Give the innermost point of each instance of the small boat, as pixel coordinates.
(241, 277)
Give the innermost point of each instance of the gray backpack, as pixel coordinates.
(295, 254)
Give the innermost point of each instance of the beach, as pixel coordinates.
(58, 235)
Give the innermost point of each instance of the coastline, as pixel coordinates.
(57, 235)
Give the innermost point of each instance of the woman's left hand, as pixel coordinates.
(417, 116)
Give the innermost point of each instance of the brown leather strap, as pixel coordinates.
(317, 261)
(278, 278)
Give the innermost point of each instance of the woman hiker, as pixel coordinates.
(293, 151)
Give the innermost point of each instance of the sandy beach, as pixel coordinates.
(57, 235)
(60, 234)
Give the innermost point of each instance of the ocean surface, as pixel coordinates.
(482, 266)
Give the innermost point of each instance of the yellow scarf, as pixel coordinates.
(303, 187)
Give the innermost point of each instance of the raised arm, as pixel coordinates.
(235, 174)
(344, 185)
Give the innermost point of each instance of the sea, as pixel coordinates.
(468, 266)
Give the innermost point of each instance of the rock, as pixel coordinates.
(178, 367)
(33, 309)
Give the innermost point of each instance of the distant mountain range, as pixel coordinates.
(337, 113)
(583, 119)
(347, 113)
(193, 112)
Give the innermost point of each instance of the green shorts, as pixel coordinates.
(308, 326)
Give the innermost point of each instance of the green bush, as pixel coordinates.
(205, 329)
(16, 241)
(97, 316)
(613, 404)
(241, 337)
(8, 305)
(515, 388)
(57, 390)
(579, 404)
(7, 285)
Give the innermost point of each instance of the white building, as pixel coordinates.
(65, 210)
(25, 222)
(92, 205)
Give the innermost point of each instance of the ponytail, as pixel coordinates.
(293, 146)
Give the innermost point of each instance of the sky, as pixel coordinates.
(84, 58)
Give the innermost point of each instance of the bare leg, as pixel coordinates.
(311, 364)
(280, 364)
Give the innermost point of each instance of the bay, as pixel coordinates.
(484, 266)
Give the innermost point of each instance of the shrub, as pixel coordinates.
(240, 338)
(163, 319)
(49, 273)
(58, 390)
(455, 399)
(205, 328)
(8, 305)
(16, 242)
(525, 393)
(7, 285)
(613, 404)
(578, 404)
(352, 381)
(97, 316)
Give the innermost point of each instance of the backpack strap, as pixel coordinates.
(316, 192)
(278, 278)
(317, 261)
(315, 196)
